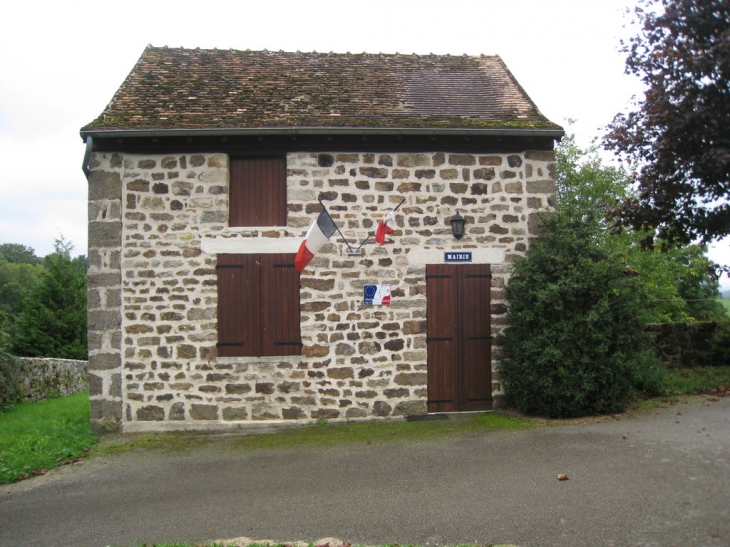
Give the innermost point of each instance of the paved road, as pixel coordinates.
(667, 483)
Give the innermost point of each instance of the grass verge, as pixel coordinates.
(35, 437)
(697, 380)
(316, 436)
(725, 302)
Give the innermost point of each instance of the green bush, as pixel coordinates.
(574, 343)
(10, 393)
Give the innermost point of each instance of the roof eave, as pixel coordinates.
(556, 133)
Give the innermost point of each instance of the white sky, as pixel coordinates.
(61, 62)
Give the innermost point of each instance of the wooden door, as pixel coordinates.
(459, 337)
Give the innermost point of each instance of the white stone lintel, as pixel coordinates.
(251, 245)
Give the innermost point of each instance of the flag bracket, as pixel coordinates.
(354, 252)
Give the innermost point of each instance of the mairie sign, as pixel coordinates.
(457, 256)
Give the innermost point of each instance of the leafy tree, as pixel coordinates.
(16, 253)
(678, 283)
(586, 186)
(575, 342)
(53, 321)
(697, 284)
(677, 136)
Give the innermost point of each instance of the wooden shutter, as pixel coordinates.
(280, 332)
(257, 192)
(258, 305)
(238, 305)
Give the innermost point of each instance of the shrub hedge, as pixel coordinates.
(575, 342)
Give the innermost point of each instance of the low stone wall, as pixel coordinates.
(687, 345)
(43, 377)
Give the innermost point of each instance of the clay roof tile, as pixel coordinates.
(171, 88)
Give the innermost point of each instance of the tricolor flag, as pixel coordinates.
(385, 227)
(318, 234)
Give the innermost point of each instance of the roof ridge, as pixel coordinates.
(331, 52)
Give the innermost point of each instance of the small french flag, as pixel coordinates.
(318, 234)
(385, 227)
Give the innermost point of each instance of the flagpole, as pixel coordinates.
(338, 228)
(364, 242)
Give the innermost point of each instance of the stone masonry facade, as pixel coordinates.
(157, 223)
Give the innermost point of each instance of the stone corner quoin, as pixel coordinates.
(155, 222)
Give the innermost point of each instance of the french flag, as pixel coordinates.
(318, 234)
(385, 227)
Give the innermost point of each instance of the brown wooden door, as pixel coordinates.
(459, 337)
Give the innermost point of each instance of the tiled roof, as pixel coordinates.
(219, 89)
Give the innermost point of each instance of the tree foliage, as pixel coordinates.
(678, 283)
(53, 320)
(15, 253)
(677, 136)
(575, 343)
(20, 272)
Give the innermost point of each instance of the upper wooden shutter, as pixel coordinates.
(257, 192)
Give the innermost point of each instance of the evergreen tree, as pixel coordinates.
(53, 321)
(20, 272)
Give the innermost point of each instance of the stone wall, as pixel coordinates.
(42, 377)
(690, 345)
(357, 361)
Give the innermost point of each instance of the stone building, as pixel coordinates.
(205, 171)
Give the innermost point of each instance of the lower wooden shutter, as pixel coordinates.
(280, 331)
(258, 305)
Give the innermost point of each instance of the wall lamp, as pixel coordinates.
(457, 225)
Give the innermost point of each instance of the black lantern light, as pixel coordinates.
(457, 225)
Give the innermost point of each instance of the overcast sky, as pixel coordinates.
(61, 63)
